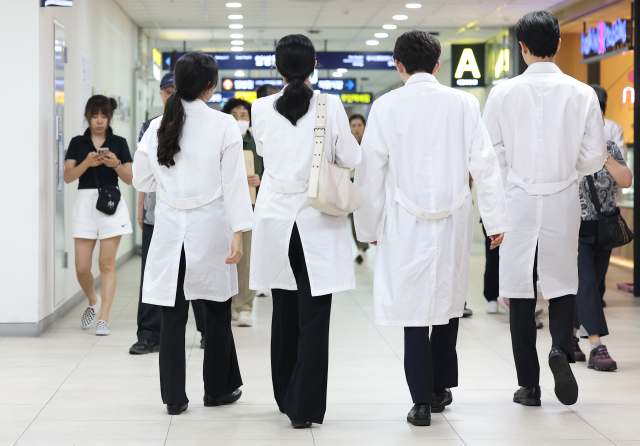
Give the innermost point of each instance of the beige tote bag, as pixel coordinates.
(330, 188)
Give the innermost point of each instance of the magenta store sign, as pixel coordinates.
(604, 37)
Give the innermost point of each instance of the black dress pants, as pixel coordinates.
(593, 262)
(491, 270)
(524, 331)
(430, 365)
(300, 344)
(150, 316)
(221, 372)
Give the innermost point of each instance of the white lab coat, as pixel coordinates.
(547, 130)
(613, 132)
(421, 142)
(201, 201)
(326, 240)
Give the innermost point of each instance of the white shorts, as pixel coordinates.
(90, 223)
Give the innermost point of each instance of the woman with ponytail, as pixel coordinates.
(299, 253)
(192, 157)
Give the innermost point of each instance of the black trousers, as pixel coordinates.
(430, 365)
(221, 372)
(150, 316)
(593, 262)
(491, 270)
(524, 331)
(300, 344)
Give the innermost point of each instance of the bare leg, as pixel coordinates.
(84, 252)
(108, 250)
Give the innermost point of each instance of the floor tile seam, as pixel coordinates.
(592, 426)
(452, 428)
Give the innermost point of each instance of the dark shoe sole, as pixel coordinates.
(176, 412)
(527, 401)
(419, 422)
(611, 368)
(300, 425)
(154, 349)
(134, 351)
(566, 387)
(579, 358)
(438, 409)
(231, 400)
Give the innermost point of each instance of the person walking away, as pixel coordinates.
(192, 157)
(547, 131)
(242, 303)
(150, 316)
(417, 209)
(300, 253)
(358, 123)
(98, 159)
(594, 259)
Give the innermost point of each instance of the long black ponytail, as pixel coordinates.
(296, 60)
(195, 73)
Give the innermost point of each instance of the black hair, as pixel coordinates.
(418, 51)
(360, 117)
(100, 104)
(602, 96)
(236, 102)
(265, 90)
(540, 32)
(195, 73)
(296, 60)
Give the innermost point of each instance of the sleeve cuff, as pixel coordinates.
(244, 226)
(499, 230)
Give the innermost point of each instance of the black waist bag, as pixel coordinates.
(108, 197)
(613, 231)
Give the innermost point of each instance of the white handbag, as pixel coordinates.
(330, 188)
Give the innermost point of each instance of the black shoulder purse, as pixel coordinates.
(108, 197)
(613, 231)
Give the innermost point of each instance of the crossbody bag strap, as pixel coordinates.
(95, 175)
(318, 146)
(594, 195)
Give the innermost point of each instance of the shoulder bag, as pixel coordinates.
(613, 231)
(330, 188)
(108, 197)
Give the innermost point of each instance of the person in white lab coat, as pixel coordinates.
(301, 254)
(547, 130)
(421, 143)
(192, 157)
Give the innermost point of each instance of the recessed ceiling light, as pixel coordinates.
(235, 17)
(381, 35)
(413, 5)
(336, 74)
(239, 73)
(400, 17)
(390, 26)
(236, 48)
(236, 36)
(234, 5)
(342, 70)
(237, 42)
(372, 42)
(235, 26)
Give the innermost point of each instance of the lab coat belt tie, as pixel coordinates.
(189, 203)
(414, 209)
(287, 187)
(541, 188)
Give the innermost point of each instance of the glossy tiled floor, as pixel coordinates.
(69, 387)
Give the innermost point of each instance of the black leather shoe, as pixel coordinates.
(420, 415)
(300, 424)
(229, 398)
(202, 343)
(143, 347)
(566, 385)
(441, 400)
(527, 396)
(176, 409)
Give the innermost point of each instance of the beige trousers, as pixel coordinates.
(243, 301)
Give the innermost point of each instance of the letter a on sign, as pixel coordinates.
(467, 63)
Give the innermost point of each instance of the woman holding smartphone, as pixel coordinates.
(192, 157)
(98, 159)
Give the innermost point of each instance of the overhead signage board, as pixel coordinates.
(356, 98)
(468, 69)
(248, 84)
(326, 60)
(605, 37)
(44, 3)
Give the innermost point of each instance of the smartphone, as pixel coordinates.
(103, 151)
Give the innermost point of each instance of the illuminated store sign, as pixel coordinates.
(56, 3)
(320, 84)
(356, 98)
(468, 65)
(629, 94)
(156, 63)
(604, 37)
(326, 60)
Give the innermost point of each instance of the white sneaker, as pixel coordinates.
(504, 303)
(102, 329)
(492, 307)
(244, 319)
(234, 315)
(90, 314)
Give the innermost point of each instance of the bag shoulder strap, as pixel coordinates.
(318, 146)
(594, 195)
(95, 175)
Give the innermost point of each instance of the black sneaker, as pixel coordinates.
(202, 342)
(420, 415)
(527, 396)
(440, 400)
(566, 386)
(144, 346)
(467, 311)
